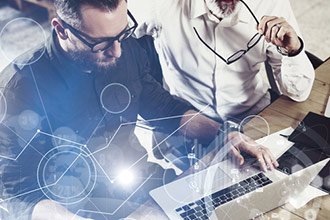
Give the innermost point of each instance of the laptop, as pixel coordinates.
(223, 192)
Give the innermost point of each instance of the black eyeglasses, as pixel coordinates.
(102, 44)
(236, 56)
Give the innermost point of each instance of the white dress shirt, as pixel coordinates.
(192, 72)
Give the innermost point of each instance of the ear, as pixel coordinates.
(59, 29)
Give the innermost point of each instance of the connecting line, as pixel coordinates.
(28, 143)
(34, 190)
(95, 206)
(129, 123)
(98, 124)
(47, 186)
(151, 120)
(198, 113)
(62, 139)
(111, 213)
(24, 139)
(67, 169)
(114, 135)
(111, 181)
(14, 159)
(42, 103)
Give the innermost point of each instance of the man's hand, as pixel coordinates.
(198, 126)
(279, 32)
(240, 142)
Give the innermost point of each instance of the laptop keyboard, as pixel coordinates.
(202, 207)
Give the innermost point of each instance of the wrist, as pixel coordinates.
(231, 126)
(292, 52)
(227, 130)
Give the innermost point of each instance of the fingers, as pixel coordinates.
(241, 142)
(237, 154)
(269, 26)
(273, 160)
(262, 163)
(279, 32)
(266, 159)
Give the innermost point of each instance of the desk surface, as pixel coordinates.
(284, 113)
(279, 115)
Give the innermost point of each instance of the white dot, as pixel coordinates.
(126, 177)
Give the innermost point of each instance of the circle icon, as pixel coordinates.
(28, 120)
(63, 136)
(260, 129)
(66, 175)
(12, 44)
(115, 98)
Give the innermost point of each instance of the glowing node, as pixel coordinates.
(126, 177)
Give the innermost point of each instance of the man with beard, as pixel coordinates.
(60, 144)
(211, 52)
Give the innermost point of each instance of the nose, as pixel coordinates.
(114, 51)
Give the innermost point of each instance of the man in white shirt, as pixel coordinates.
(242, 35)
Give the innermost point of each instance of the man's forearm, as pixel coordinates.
(198, 126)
(50, 210)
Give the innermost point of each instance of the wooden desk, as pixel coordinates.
(280, 114)
(284, 113)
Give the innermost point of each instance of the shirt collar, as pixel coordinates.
(198, 8)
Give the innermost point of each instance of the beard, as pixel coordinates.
(86, 61)
(220, 8)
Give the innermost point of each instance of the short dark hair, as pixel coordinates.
(69, 10)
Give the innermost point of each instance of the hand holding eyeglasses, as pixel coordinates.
(279, 32)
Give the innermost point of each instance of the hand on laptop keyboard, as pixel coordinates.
(240, 142)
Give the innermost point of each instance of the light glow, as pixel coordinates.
(126, 177)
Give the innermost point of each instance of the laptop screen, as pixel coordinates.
(299, 157)
(312, 144)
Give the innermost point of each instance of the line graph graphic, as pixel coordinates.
(86, 153)
(67, 173)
